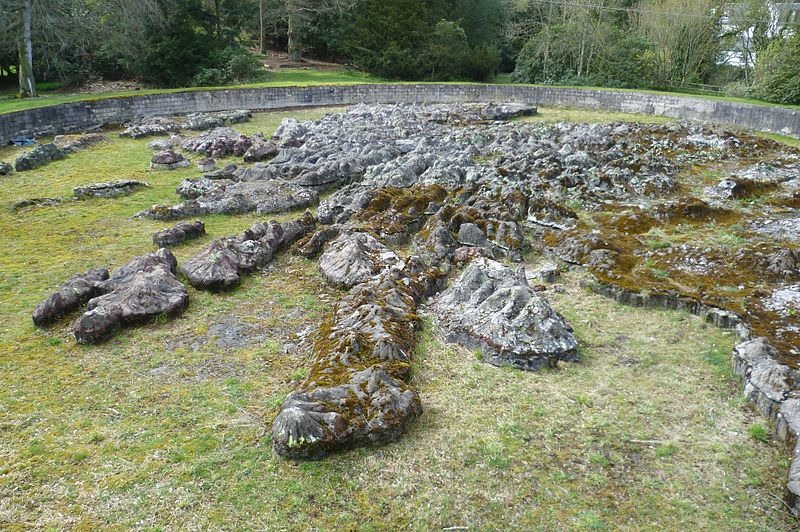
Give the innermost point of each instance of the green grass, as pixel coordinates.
(162, 429)
(758, 432)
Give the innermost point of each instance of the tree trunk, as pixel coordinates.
(27, 85)
(293, 46)
(218, 19)
(262, 35)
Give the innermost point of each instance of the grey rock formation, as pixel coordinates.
(203, 121)
(143, 263)
(226, 197)
(470, 234)
(354, 258)
(314, 244)
(219, 142)
(229, 171)
(356, 392)
(168, 160)
(162, 125)
(489, 307)
(216, 268)
(75, 143)
(435, 244)
(290, 133)
(771, 385)
(150, 126)
(182, 232)
(785, 262)
(144, 297)
(318, 422)
(161, 145)
(39, 156)
(72, 294)
(295, 230)
(260, 150)
(112, 189)
(222, 265)
(206, 165)
(36, 202)
(5, 168)
(141, 290)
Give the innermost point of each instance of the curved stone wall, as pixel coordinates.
(86, 114)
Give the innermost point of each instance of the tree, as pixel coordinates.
(16, 39)
(586, 43)
(299, 13)
(777, 72)
(684, 37)
(27, 84)
(750, 27)
(447, 50)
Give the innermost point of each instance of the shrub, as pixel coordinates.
(777, 73)
(238, 64)
(208, 77)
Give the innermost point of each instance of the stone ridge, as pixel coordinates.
(83, 115)
(357, 390)
(491, 308)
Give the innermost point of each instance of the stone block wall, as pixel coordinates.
(83, 115)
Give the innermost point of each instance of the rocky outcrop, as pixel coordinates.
(357, 390)
(150, 126)
(143, 289)
(312, 245)
(354, 258)
(163, 125)
(179, 234)
(72, 294)
(772, 387)
(203, 121)
(168, 160)
(39, 156)
(35, 202)
(491, 308)
(5, 168)
(223, 263)
(219, 142)
(112, 189)
(146, 296)
(260, 150)
(296, 230)
(227, 197)
(206, 165)
(75, 143)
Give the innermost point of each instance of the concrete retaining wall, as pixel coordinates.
(84, 115)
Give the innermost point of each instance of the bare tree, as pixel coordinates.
(749, 28)
(685, 36)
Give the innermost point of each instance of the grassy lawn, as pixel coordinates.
(163, 428)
